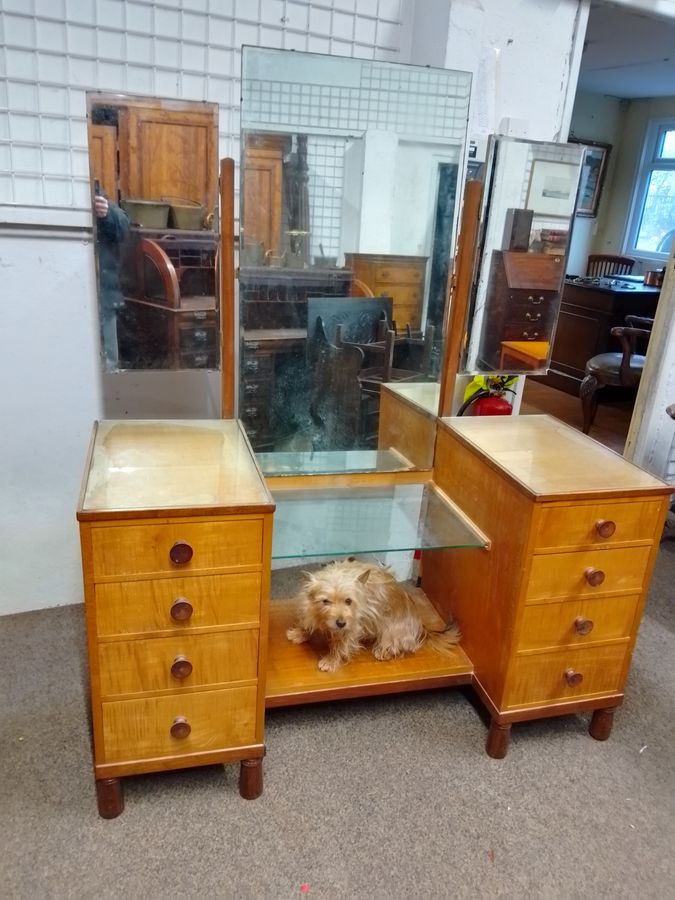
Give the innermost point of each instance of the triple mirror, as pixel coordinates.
(351, 174)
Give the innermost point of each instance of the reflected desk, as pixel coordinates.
(590, 308)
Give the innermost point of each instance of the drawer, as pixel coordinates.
(138, 607)
(557, 575)
(532, 298)
(134, 667)
(257, 390)
(586, 524)
(534, 332)
(577, 622)
(258, 364)
(141, 728)
(144, 549)
(403, 295)
(197, 337)
(541, 677)
(398, 274)
(199, 359)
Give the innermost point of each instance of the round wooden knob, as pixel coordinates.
(594, 576)
(583, 626)
(573, 678)
(181, 609)
(180, 728)
(181, 667)
(605, 527)
(180, 553)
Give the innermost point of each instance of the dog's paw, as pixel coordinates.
(383, 653)
(296, 635)
(328, 663)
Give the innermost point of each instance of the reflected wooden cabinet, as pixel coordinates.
(169, 153)
(522, 300)
(399, 277)
(262, 192)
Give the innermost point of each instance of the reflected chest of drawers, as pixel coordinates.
(398, 277)
(550, 612)
(175, 528)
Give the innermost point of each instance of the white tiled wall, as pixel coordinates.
(53, 51)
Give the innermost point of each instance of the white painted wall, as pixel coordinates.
(50, 397)
(595, 118)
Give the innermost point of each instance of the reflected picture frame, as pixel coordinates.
(593, 173)
(552, 189)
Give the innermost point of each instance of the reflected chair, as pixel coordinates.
(620, 369)
(602, 266)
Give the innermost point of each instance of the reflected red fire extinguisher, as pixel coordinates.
(489, 400)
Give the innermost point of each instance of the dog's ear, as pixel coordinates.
(364, 576)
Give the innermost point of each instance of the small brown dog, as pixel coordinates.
(351, 604)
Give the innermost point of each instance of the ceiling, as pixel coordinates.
(627, 54)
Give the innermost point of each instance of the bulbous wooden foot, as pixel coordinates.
(109, 797)
(250, 778)
(601, 724)
(497, 740)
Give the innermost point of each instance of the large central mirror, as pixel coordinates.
(351, 175)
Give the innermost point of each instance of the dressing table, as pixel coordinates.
(537, 539)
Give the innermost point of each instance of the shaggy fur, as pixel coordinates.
(352, 604)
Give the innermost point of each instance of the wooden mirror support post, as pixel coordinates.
(228, 343)
(459, 293)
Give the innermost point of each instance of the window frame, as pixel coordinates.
(649, 163)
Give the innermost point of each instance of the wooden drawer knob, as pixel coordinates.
(583, 626)
(181, 609)
(593, 576)
(573, 678)
(180, 728)
(181, 667)
(180, 553)
(605, 527)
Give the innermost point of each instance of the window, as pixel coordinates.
(651, 228)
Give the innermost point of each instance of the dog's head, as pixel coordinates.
(334, 599)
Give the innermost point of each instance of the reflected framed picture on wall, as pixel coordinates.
(552, 189)
(593, 171)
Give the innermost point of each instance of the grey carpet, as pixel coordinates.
(381, 798)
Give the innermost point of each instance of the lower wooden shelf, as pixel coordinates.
(294, 678)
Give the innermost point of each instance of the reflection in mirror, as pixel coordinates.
(349, 195)
(154, 176)
(526, 219)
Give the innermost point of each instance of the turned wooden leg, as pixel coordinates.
(250, 778)
(601, 724)
(589, 401)
(109, 797)
(497, 740)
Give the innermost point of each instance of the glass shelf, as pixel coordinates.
(343, 521)
(321, 462)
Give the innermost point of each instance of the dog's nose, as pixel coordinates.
(340, 623)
